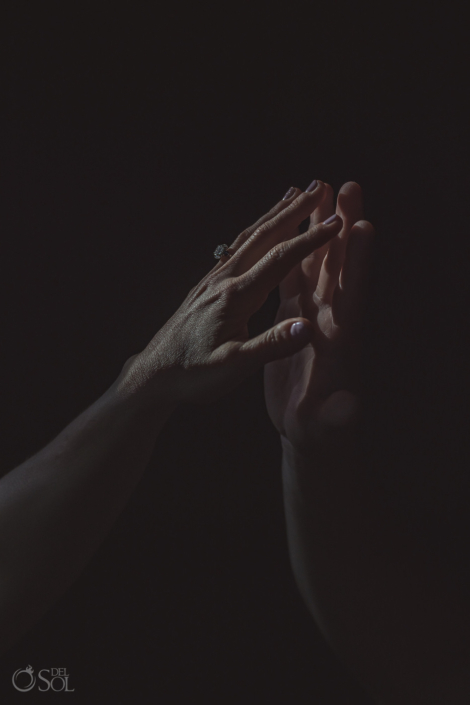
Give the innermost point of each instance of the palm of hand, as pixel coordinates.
(318, 385)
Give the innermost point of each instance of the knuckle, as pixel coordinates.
(241, 238)
(313, 230)
(276, 336)
(228, 288)
(275, 209)
(266, 218)
(268, 225)
(279, 218)
(219, 290)
(318, 193)
(277, 253)
(304, 198)
(262, 229)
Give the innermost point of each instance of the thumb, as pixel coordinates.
(282, 340)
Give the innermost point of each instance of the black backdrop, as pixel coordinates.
(135, 138)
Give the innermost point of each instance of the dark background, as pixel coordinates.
(134, 139)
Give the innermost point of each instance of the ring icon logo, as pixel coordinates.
(21, 682)
(56, 679)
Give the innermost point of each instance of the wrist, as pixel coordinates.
(328, 431)
(141, 393)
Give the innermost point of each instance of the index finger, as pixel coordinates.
(307, 271)
(291, 194)
(258, 281)
(279, 228)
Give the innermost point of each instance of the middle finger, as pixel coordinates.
(349, 205)
(274, 231)
(292, 193)
(311, 266)
(305, 273)
(254, 286)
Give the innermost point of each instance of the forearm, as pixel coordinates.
(385, 613)
(330, 527)
(331, 530)
(57, 507)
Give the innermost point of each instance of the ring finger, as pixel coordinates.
(248, 232)
(305, 274)
(272, 232)
(311, 266)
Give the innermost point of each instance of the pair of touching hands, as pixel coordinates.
(389, 619)
(311, 352)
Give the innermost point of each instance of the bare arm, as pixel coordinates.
(389, 612)
(57, 507)
(391, 617)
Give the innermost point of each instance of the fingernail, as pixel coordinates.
(331, 219)
(312, 186)
(290, 193)
(300, 331)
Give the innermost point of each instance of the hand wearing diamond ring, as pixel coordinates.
(204, 350)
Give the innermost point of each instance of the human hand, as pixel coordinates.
(389, 609)
(318, 387)
(204, 350)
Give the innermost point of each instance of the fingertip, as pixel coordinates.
(351, 187)
(292, 191)
(301, 331)
(315, 188)
(365, 227)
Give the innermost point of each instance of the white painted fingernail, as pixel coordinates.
(299, 331)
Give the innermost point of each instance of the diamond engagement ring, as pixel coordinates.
(220, 251)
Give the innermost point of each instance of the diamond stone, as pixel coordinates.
(219, 251)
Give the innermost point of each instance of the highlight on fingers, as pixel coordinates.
(279, 223)
(354, 274)
(349, 206)
(283, 225)
(272, 268)
(288, 198)
(305, 274)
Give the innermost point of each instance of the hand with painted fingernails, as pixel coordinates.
(204, 350)
(318, 387)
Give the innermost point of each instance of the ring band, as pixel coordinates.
(220, 251)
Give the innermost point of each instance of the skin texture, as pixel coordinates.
(57, 507)
(392, 619)
(204, 350)
(390, 615)
(321, 381)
